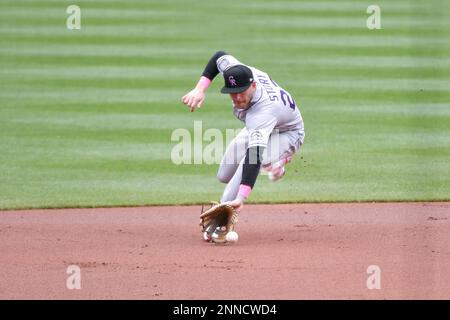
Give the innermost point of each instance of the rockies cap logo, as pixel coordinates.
(237, 79)
(232, 81)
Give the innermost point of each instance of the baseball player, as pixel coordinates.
(273, 129)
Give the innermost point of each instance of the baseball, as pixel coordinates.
(232, 236)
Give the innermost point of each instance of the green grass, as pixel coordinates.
(86, 116)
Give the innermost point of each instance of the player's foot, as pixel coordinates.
(276, 174)
(276, 171)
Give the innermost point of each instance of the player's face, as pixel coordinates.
(242, 100)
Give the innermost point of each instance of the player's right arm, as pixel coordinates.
(194, 98)
(260, 127)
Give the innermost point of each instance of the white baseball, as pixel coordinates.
(232, 236)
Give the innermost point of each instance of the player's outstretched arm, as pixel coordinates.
(250, 171)
(195, 98)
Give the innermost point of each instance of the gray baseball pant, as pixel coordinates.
(280, 146)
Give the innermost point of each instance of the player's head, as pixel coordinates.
(239, 83)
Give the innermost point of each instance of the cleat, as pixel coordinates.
(276, 174)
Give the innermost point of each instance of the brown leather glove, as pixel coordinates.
(217, 221)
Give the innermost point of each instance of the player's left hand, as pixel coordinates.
(238, 204)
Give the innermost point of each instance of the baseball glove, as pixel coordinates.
(217, 221)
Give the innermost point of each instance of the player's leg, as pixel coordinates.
(279, 151)
(234, 154)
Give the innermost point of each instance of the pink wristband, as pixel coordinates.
(244, 191)
(203, 83)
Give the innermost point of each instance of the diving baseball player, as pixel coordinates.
(273, 129)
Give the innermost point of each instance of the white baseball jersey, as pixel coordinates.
(271, 108)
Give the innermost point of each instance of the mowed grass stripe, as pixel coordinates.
(141, 55)
(322, 73)
(283, 8)
(134, 86)
(167, 27)
(108, 57)
(142, 45)
(98, 73)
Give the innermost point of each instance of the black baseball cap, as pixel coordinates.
(237, 79)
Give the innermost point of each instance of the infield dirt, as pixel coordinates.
(303, 251)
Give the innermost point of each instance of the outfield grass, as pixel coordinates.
(86, 116)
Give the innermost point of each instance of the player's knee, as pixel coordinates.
(222, 177)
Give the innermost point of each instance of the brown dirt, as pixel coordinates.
(303, 251)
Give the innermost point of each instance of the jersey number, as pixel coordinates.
(287, 99)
